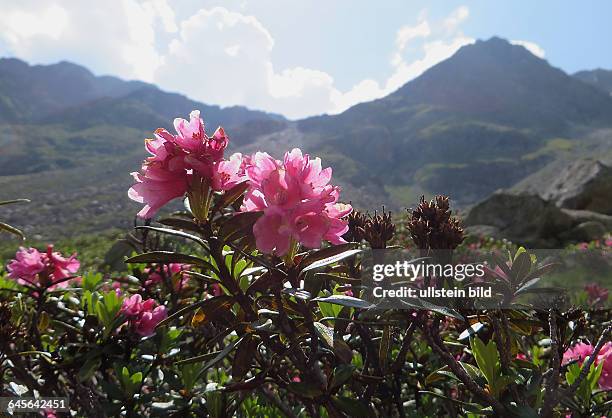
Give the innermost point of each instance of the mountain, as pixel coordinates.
(32, 92)
(481, 120)
(488, 117)
(599, 78)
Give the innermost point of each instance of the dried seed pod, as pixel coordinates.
(431, 225)
(378, 230)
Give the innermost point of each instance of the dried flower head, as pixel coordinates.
(432, 226)
(356, 222)
(378, 230)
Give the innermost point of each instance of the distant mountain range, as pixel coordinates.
(486, 118)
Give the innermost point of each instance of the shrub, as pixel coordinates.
(262, 312)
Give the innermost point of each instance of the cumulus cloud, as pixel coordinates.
(433, 41)
(532, 47)
(111, 40)
(214, 55)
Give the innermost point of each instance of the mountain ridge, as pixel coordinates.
(485, 118)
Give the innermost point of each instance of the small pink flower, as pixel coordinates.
(170, 270)
(143, 316)
(297, 201)
(28, 263)
(175, 159)
(148, 320)
(521, 356)
(216, 289)
(583, 246)
(156, 185)
(132, 306)
(581, 351)
(596, 293)
(608, 242)
(62, 267)
(228, 173)
(30, 266)
(605, 357)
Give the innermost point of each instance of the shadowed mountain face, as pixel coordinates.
(601, 79)
(484, 119)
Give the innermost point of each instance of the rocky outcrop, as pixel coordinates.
(524, 218)
(575, 206)
(585, 185)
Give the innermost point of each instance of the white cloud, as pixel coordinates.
(214, 55)
(407, 33)
(437, 41)
(452, 22)
(532, 47)
(116, 40)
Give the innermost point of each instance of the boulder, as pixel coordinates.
(585, 232)
(528, 219)
(521, 217)
(585, 185)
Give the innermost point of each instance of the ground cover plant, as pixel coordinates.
(250, 303)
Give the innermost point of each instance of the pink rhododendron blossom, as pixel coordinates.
(156, 186)
(60, 266)
(175, 159)
(297, 201)
(228, 173)
(30, 266)
(27, 264)
(155, 276)
(596, 293)
(216, 289)
(146, 323)
(144, 315)
(581, 351)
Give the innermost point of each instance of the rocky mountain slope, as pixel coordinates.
(489, 117)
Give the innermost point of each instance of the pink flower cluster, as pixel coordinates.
(32, 267)
(169, 270)
(175, 159)
(596, 294)
(143, 315)
(297, 201)
(581, 351)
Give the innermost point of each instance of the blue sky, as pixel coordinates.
(298, 58)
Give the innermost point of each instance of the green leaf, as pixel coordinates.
(342, 373)
(175, 233)
(220, 356)
(487, 358)
(167, 257)
(468, 406)
(230, 196)
(383, 350)
(209, 307)
(521, 266)
(351, 407)
(329, 260)
(243, 358)
(305, 389)
(329, 310)
(344, 300)
(326, 333)
(331, 251)
(89, 368)
(239, 225)
(11, 230)
(10, 202)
